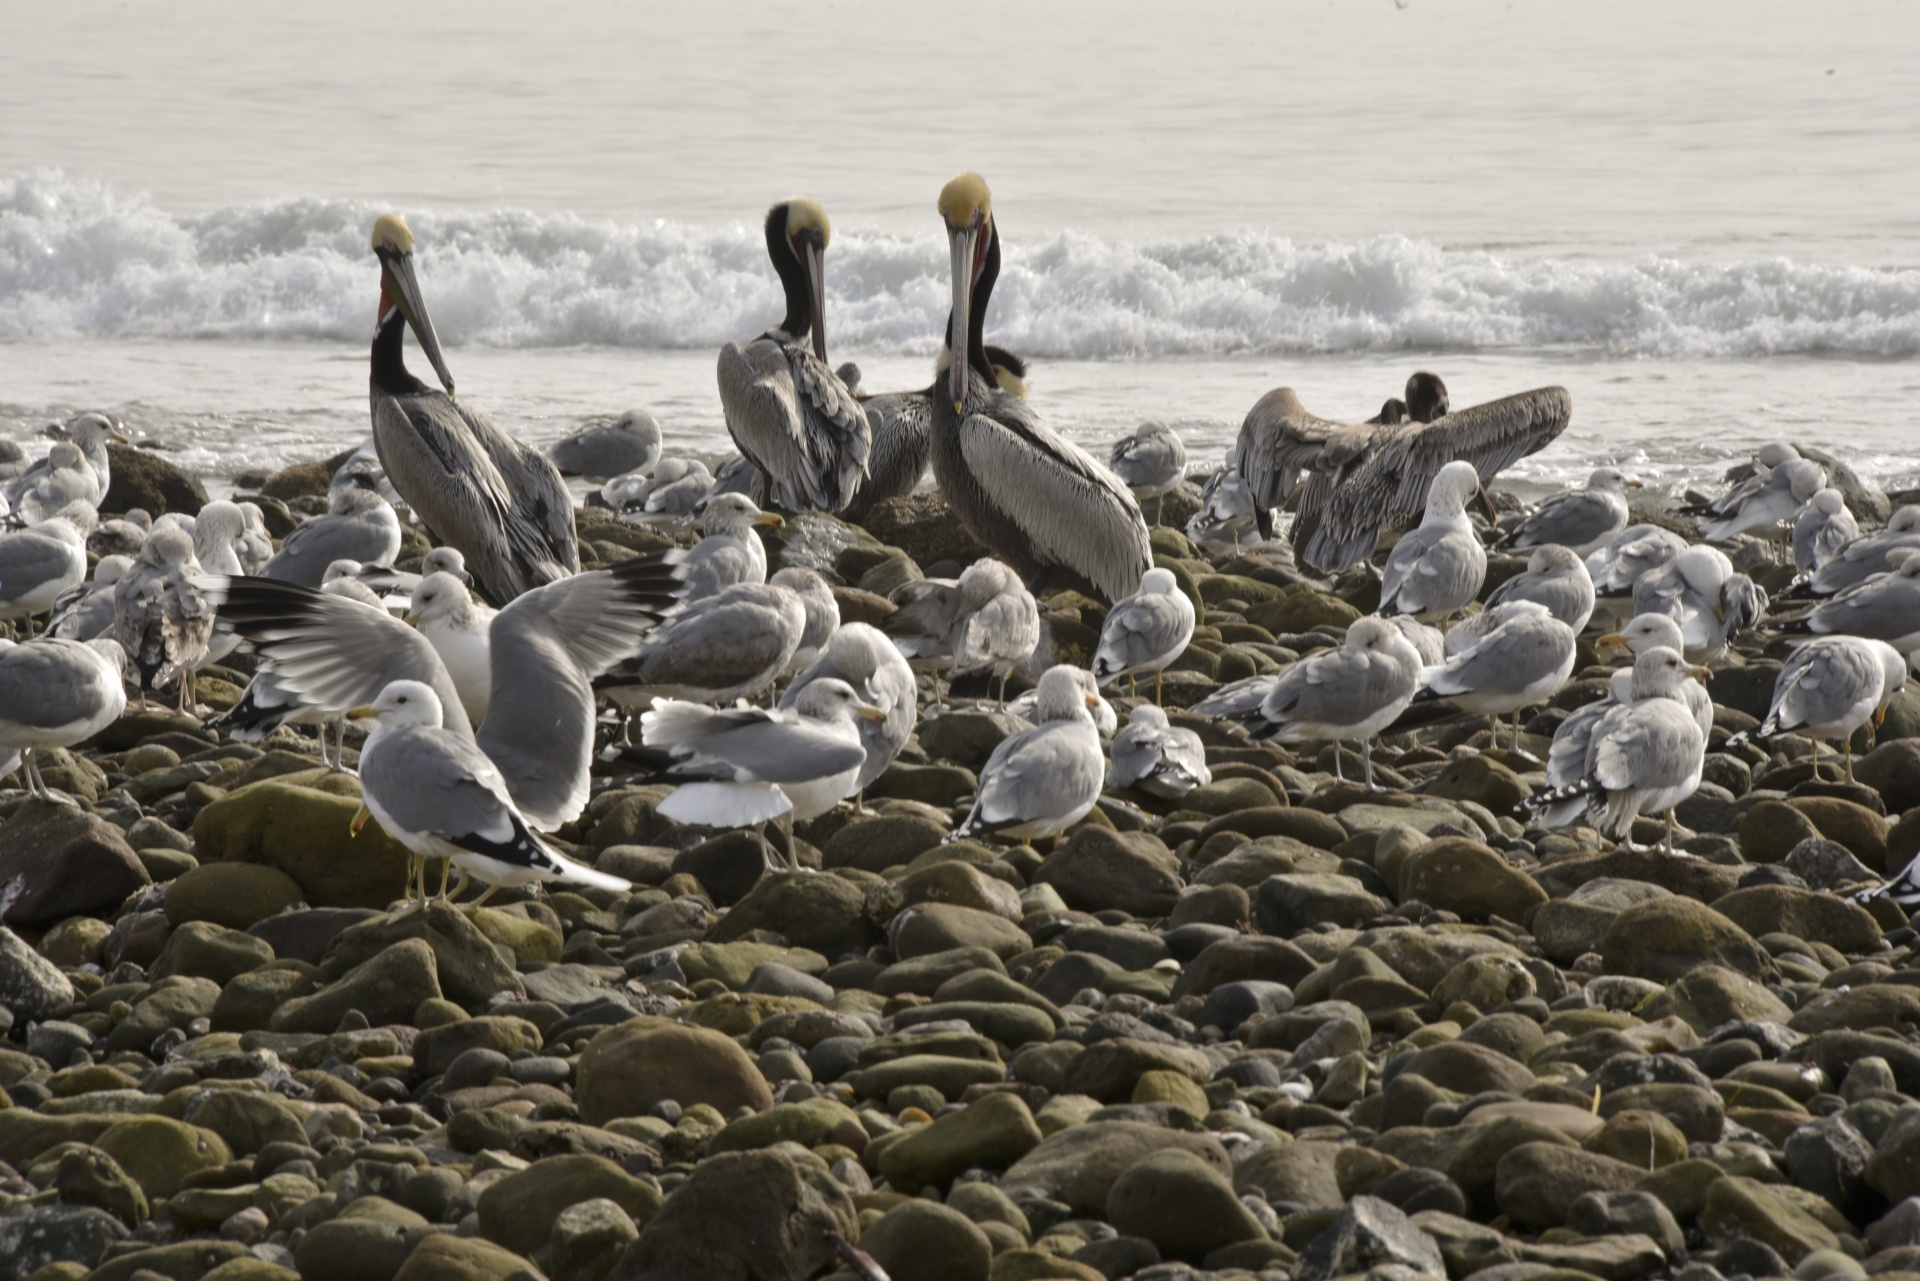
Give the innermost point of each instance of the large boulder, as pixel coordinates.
(518, 1211)
(821, 912)
(1182, 1204)
(627, 1069)
(1096, 869)
(387, 988)
(926, 1241)
(1079, 1165)
(1464, 876)
(141, 478)
(1664, 938)
(67, 863)
(471, 967)
(992, 1133)
(742, 1216)
(307, 834)
(236, 895)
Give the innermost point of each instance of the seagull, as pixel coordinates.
(1765, 460)
(358, 525)
(460, 629)
(1226, 517)
(1345, 694)
(1830, 687)
(65, 478)
(786, 409)
(730, 645)
(985, 619)
(40, 563)
(749, 765)
(1884, 607)
(606, 448)
(1555, 577)
(502, 504)
(1043, 780)
(56, 693)
(434, 791)
(678, 486)
(161, 619)
(1646, 631)
(1156, 757)
(1822, 530)
(730, 552)
(1025, 492)
(256, 545)
(1645, 756)
(867, 661)
(85, 612)
(1439, 567)
(1580, 519)
(1524, 654)
(1786, 489)
(88, 433)
(1145, 632)
(1869, 554)
(1700, 590)
(823, 613)
(1151, 462)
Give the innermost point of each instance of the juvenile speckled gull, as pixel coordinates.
(1885, 607)
(1555, 577)
(749, 765)
(1518, 662)
(161, 619)
(1345, 694)
(434, 791)
(1043, 780)
(1145, 632)
(1822, 530)
(55, 693)
(1645, 757)
(605, 448)
(1439, 567)
(1158, 758)
(1830, 687)
(1579, 519)
(548, 646)
(358, 525)
(865, 659)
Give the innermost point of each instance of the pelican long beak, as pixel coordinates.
(362, 714)
(967, 243)
(1486, 503)
(403, 288)
(816, 260)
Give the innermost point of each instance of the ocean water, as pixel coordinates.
(1699, 218)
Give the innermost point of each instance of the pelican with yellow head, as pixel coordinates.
(787, 410)
(501, 504)
(1037, 500)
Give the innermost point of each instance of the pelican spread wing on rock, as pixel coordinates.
(501, 503)
(786, 409)
(1036, 499)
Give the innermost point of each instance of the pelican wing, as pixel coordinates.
(1392, 483)
(795, 421)
(1279, 443)
(901, 425)
(543, 536)
(1073, 511)
(430, 452)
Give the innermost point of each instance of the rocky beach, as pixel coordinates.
(1281, 1027)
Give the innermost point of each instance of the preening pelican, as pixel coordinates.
(1346, 481)
(1038, 501)
(901, 422)
(502, 504)
(785, 407)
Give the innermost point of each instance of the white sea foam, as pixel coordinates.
(79, 258)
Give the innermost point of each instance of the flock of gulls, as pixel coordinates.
(481, 678)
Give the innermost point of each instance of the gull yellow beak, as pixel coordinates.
(1610, 639)
(1093, 700)
(412, 619)
(1634, 484)
(770, 518)
(1879, 716)
(120, 438)
(1699, 673)
(361, 714)
(360, 817)
(868, 712)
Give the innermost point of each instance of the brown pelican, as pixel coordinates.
(502, 504)
(786, 409)
(1346, 481)
(1038, 501)
(901, 421)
